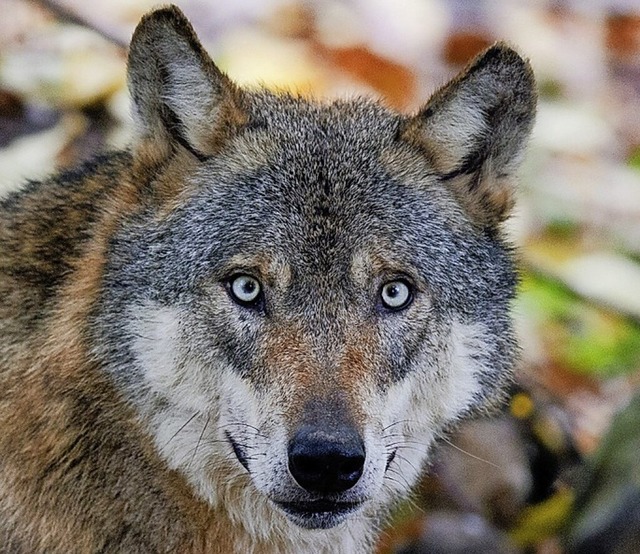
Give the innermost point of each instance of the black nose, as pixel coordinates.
(325, 460)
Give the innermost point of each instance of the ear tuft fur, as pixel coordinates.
(179, 95)
(475, 128)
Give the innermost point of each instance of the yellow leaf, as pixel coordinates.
(544, 519)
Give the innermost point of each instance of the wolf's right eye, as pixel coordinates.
(245, 290)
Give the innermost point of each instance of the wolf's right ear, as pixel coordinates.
(474, 131)
(179, 95)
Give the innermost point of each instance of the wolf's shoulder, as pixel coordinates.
(43, 227)
(89, 176)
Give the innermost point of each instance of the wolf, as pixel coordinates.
(245, 332)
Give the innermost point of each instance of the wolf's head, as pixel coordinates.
(302, 296)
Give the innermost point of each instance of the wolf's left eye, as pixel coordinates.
(396, 295)
(245, 290)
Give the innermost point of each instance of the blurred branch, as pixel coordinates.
(115, 35)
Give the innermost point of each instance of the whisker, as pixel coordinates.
(398, 479)
(240, 444)
(256, 430)
(397, 423)
(395, 446)
(200, 439)
(406, 460)
(182, 427)
(408, 440)
(410, 501)
(469, 453)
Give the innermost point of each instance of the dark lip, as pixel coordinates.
(318, 514)
(390, 459)
(238, 451)
(318, 506)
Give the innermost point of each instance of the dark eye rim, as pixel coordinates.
(257, 303)
(411, 288)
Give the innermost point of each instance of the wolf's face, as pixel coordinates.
(334, 288)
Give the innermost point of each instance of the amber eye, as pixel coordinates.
(396, 295)
(245, 290)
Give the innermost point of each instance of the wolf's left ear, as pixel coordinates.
(179, 95)
(474, 131)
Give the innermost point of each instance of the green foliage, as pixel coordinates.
(578, 335)
(634, 159)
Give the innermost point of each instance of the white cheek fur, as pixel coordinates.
(418, 408)
(157, 348)
(178, 405)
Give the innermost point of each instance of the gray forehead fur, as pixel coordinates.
(324, 193)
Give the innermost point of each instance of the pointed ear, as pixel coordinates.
(474, 131)
(179, 95)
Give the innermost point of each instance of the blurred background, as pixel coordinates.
(559, 470)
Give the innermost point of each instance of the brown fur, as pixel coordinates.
(46, 426)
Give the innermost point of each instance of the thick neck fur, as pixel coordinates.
(44, 229)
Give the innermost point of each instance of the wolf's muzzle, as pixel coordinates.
(326, 460)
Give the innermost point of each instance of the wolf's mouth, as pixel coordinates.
(318, 514)
(238, 451)
(390, 459)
